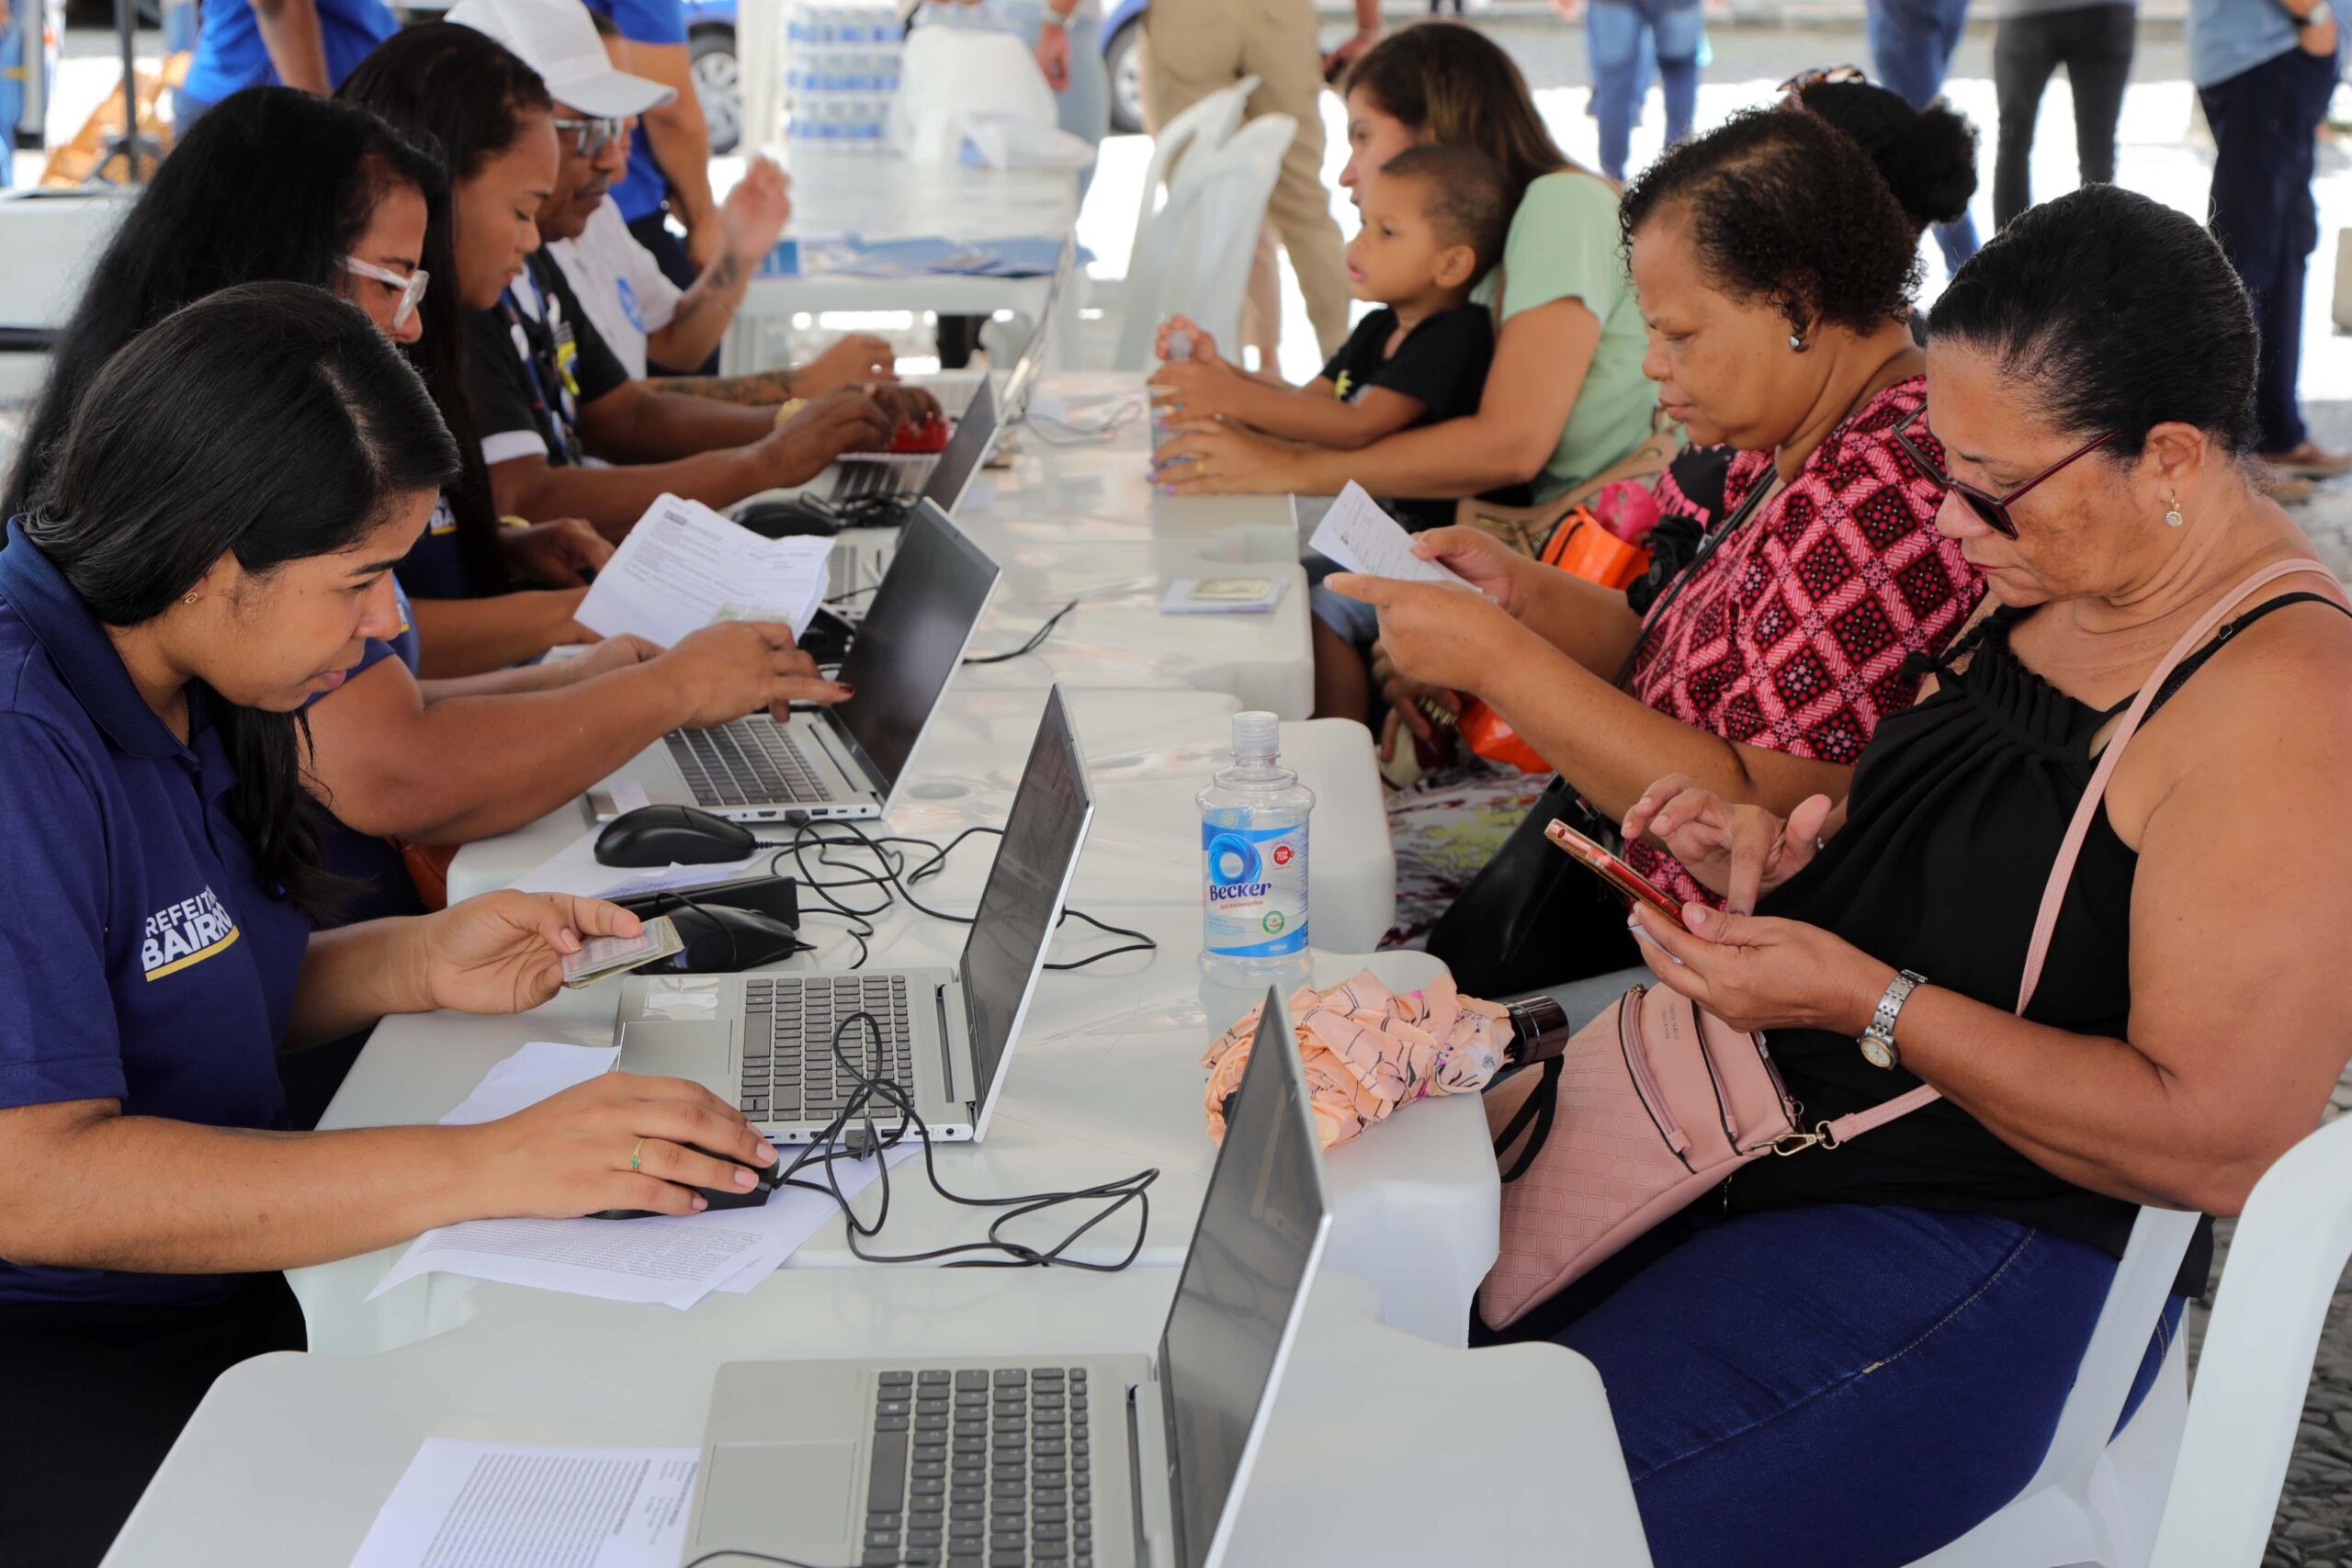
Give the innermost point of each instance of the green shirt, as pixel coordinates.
(1563, 246)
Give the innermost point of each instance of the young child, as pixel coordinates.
(1434, 220)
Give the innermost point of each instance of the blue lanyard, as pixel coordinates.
(559, 412)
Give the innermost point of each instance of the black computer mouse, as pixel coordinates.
(722, 940)
(671, 835)
(770, 1176)
(782, 519)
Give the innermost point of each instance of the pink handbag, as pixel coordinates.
(1656, 1101)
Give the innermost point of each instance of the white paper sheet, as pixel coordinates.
(540, 1069)
(683, 566)
(473, 1505)
(1361, 537)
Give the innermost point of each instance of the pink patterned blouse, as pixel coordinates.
(1797, 633)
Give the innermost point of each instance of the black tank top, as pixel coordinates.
(1955, 818)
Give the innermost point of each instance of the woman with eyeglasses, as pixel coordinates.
(1856, 1353)
(274, 184)
(1797, 570)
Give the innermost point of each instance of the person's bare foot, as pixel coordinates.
(2311, 461)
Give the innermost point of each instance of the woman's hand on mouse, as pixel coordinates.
(734, 668)
(571, 1153)
(503, 952)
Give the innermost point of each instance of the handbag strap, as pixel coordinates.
(2053, 893)
(1748, 504)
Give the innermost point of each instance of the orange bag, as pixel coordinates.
(1580, 545)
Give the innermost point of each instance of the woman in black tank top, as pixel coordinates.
(1855, 1354)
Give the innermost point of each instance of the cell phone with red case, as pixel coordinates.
(1629, 885)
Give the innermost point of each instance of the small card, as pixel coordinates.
(1222, 595)
(604, 955)
(1361, 537)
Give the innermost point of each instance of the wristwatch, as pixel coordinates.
(2319, 15)
(1878, 1039)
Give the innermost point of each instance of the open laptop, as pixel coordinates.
(767, 1043)
(847, 760)
(942, 477)
(1125, 1462)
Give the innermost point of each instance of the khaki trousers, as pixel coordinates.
(1190, 49)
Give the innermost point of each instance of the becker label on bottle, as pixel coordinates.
(1254, 890)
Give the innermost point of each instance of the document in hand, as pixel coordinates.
(683, 566)
(1361, 537)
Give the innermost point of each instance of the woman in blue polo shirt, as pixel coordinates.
(434, 762)
(194, 570)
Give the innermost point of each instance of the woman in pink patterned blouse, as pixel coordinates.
(1774, 269)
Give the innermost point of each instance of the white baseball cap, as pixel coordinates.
(556, 39)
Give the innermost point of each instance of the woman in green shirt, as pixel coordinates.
(1566, 397)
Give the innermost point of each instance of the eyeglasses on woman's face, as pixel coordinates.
(410, 283)
(1993, 509)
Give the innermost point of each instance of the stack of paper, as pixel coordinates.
(684, 567)
(470, 1505)
(670, 1260)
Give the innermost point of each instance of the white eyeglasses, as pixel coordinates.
(410, 285)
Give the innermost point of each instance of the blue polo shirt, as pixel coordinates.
(375, 864)
(642, 189)
(437, 567)
(231, 56)
(142, 959)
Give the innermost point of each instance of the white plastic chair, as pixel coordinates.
(2093, 1500)
(1201, 129)
(2285, 1261)
(1194, 256)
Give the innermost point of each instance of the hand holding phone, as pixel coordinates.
(1628, 884)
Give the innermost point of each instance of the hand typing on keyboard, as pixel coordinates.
(726, 671)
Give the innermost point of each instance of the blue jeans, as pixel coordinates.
(2264, 120)
(1612, 36)
(1841, 1386)
(1911, 48)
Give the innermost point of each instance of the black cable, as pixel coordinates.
(1008, 1254)
(1142, 942)
(1037, 640)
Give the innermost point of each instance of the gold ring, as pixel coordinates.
(636, 1154)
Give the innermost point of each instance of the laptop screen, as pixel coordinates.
(966, 450)
(1245, 1278)
(1024, 891)
(907, 646)
(1023, 381)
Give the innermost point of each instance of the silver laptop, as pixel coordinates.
(1020, 385)
(1048, 1461)
(943, 477)
(944, 1035)
(847, 760)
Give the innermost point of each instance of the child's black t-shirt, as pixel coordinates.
(1441, 365)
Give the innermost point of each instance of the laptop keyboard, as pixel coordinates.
(856, 478)
(752, 762)
(790, 1072)
(981, 1467)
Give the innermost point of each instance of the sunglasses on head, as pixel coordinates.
(1993, 509)
(410, 285)
(1836, 76)
(594, 134)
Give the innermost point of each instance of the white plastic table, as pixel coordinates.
(1382, 1449)
(1147, 753)
(885, 197)
(1105, 1080)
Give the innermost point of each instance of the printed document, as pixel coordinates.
(473, 1505)
(683, 566)
(1361, 537)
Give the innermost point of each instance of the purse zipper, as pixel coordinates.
(1637, 1061)
(1723, 1099)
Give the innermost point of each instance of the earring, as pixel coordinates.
(1796, 343)
(191, 597)
(2173, 519)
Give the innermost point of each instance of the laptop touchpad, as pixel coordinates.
(670, 1049)
(779, 1497)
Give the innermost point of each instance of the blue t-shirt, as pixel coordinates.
(2228, 37)
(143, 960)
(641, 190)
(229, 55)
(437, 566)
(375, 864)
